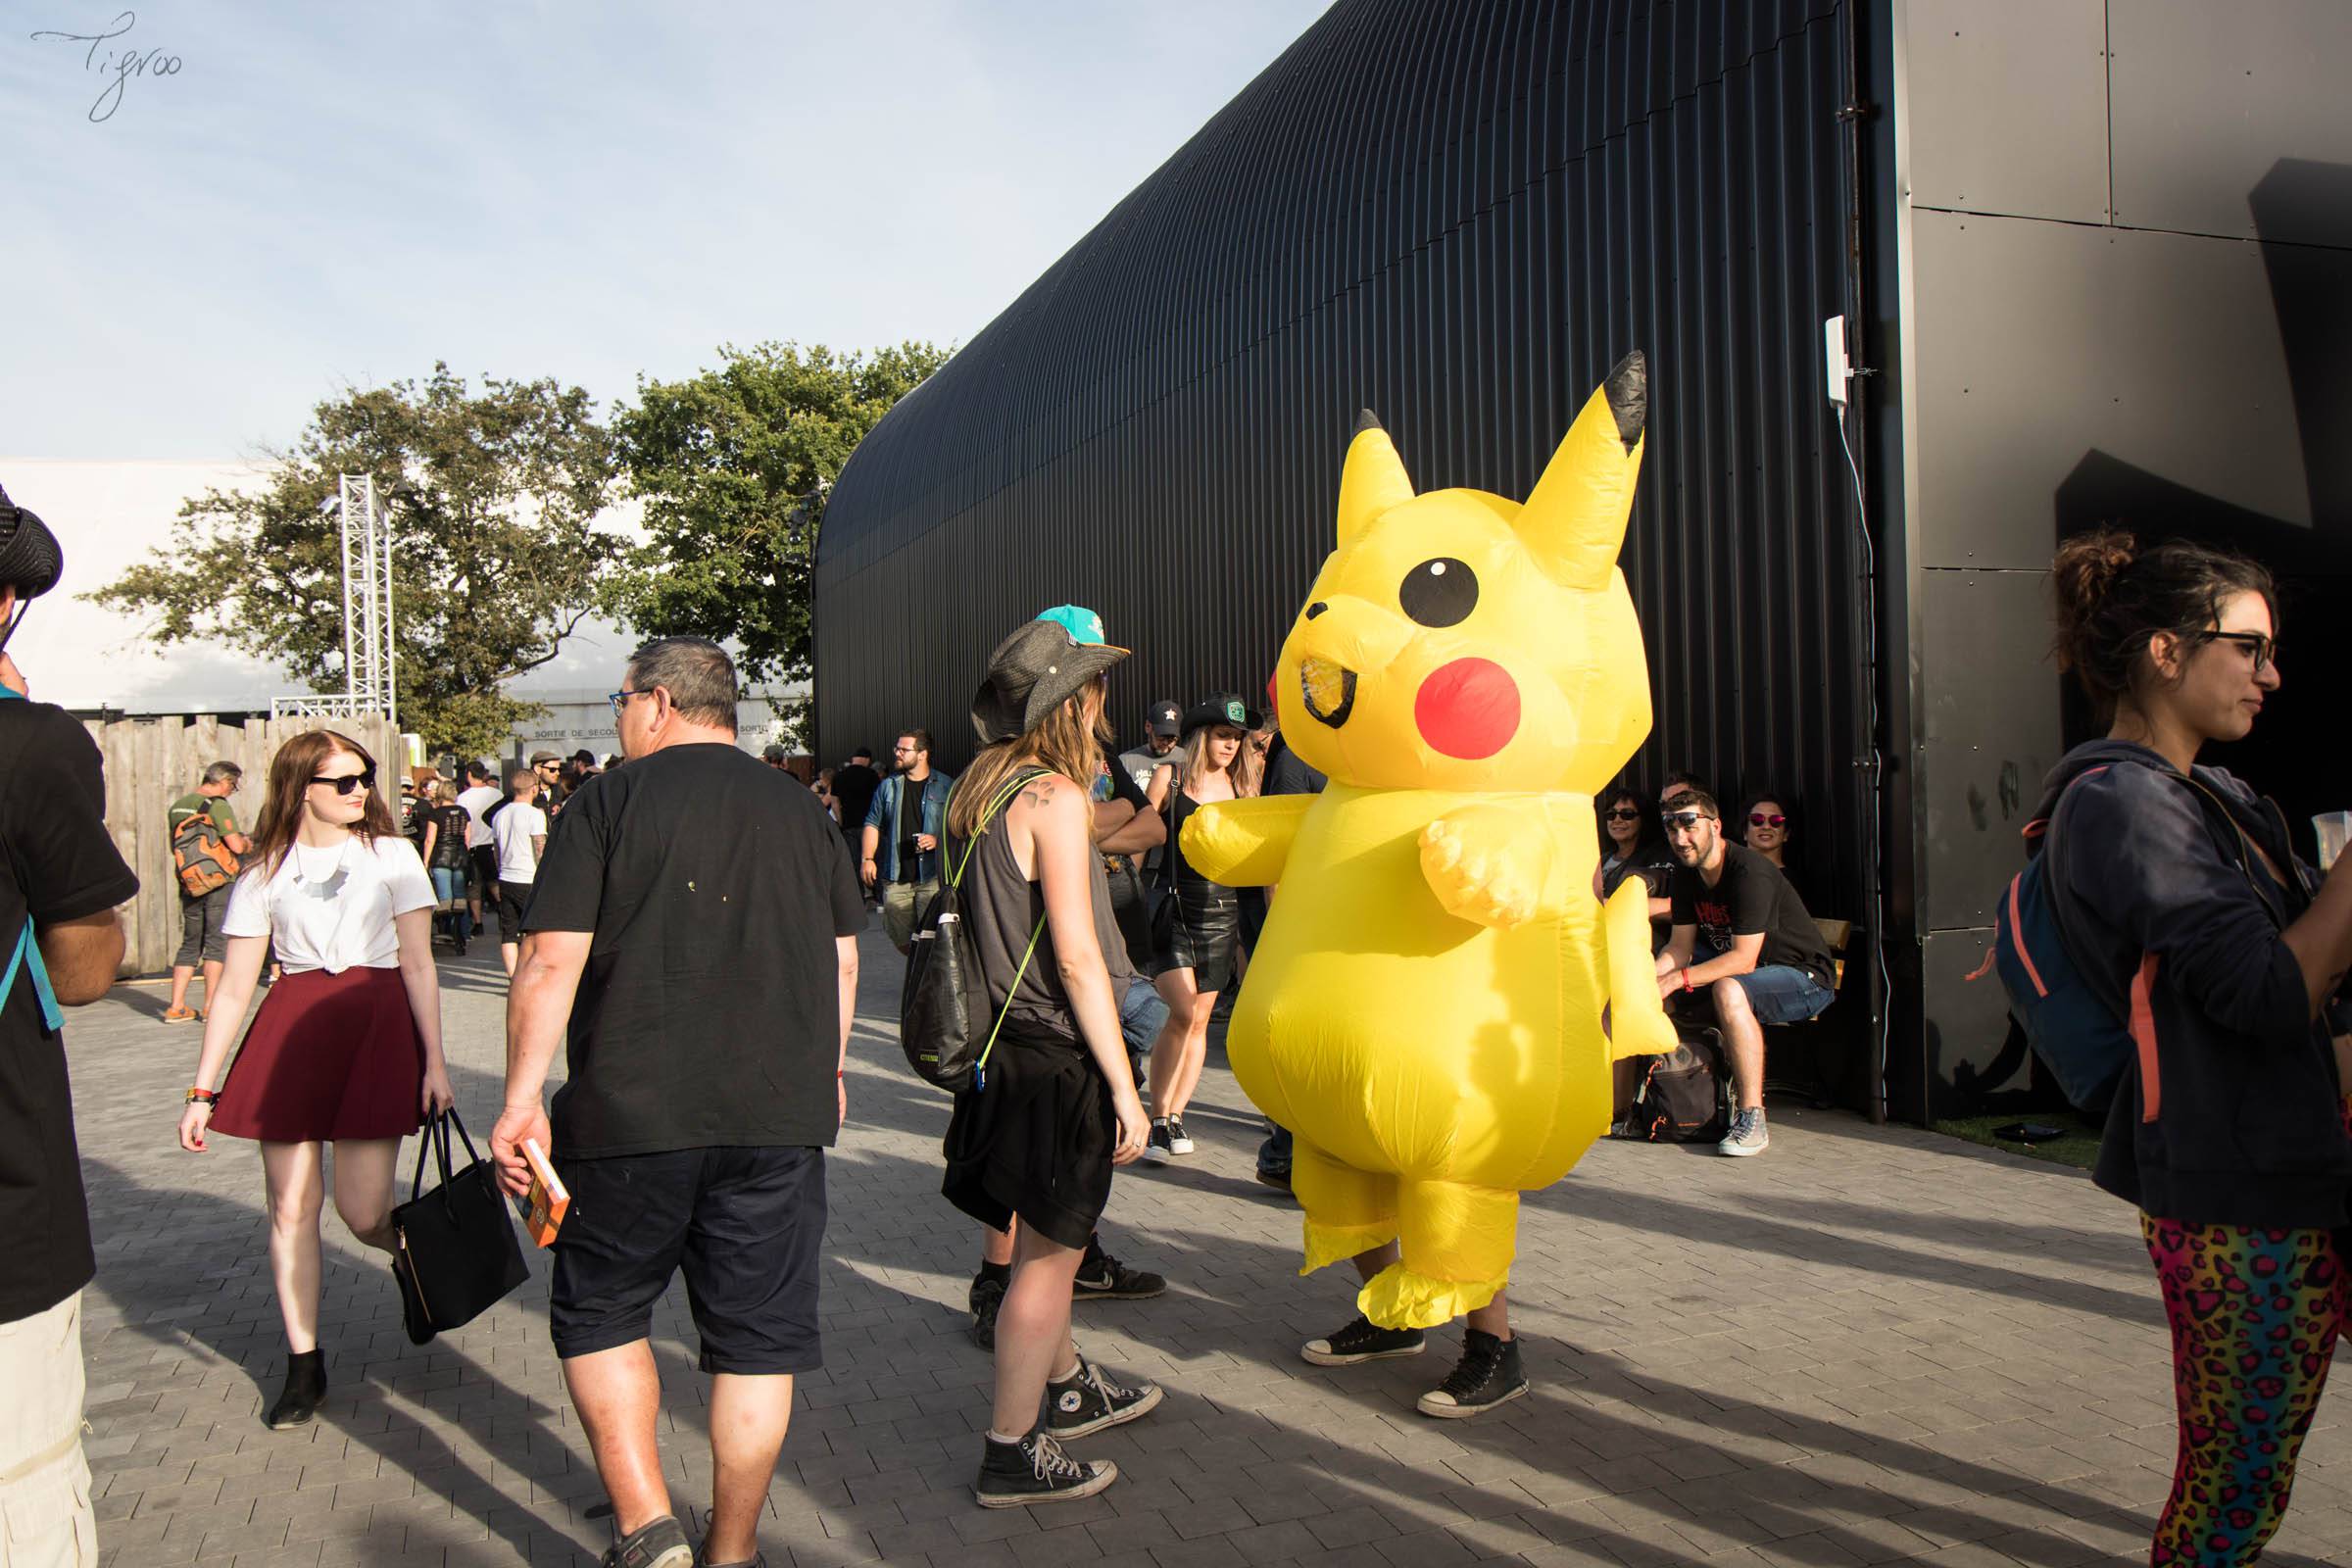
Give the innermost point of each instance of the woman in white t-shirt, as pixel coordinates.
(347, 1047)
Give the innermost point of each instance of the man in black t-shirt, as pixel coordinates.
(854, 785)
(59, 943)
(705, 982)
(1287, 774)
(1763, 960)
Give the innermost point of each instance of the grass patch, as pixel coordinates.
(2077, 1145)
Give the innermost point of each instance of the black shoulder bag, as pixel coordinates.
(453, 1250)
(935, 1003)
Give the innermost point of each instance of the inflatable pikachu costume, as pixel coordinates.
(1425, 1009)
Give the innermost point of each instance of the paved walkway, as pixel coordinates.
(1868, 1346)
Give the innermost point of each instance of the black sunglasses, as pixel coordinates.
(1622, 814)
(344, 783)
(2258, 646)
(1685, 821)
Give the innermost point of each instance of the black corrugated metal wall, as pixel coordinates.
(1457, 215)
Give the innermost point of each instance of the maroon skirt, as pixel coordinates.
(328, 1056)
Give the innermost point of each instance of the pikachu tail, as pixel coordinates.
(1638, 1022)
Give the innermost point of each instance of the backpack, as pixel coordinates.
(935, 1002)
(200, 857)
(1686, 1096)
(2083, 1035)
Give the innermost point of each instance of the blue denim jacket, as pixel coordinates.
(883, 818)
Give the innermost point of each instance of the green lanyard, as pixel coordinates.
(980, 1067)
(27, 955)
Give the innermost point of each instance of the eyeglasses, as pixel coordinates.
(1759, 820)
(621, 700)
(1685, 821)
(1622, 814)
(344, 783)
(2261, 647)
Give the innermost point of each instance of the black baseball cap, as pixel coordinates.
(1164, 718)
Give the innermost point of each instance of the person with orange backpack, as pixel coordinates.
(206, 851)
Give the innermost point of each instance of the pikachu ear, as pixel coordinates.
(1373, 479)
(1574, 520)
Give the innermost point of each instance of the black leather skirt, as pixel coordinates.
(1203, 934)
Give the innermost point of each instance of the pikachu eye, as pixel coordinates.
(1440, 593)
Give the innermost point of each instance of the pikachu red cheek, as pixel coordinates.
(1468, 709)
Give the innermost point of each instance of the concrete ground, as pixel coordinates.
(1867, 1345)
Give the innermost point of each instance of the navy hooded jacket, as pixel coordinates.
(2235, 1117)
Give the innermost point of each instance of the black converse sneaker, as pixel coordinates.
(1487, 1375)
(987, 1296)
(1363, 1341)
(1103, 1278)
(1035, 1470)
(1155, 1148)
(1179, 1141)
(1090, 1402)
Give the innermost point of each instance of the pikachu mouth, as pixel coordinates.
(1327, 689)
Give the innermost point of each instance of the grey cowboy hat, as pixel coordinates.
(1032, 672)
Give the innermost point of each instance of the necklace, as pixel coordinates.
(315, 885)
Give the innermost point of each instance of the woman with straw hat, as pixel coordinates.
(1056, 1109)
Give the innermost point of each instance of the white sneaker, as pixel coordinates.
(1747, 1135)
(1179, 1141)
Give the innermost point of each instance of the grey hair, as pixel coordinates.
(221, 772)
(696, 674)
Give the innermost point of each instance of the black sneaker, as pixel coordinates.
(1103, 1278)
(1091, 1402)
(1487, 1375)
(1363, 1341)
(1035, 1470)
(1156, 1147)
(987, 1296)
(1279, 1180)
(656, 1544)
(1179, 1141)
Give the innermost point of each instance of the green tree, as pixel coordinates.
(491, 498)
(733, 464)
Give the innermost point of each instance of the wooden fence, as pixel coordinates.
(152, 763)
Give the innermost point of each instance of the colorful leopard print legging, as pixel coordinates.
(2254, 1317)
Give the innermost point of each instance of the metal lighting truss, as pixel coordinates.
(369, 673)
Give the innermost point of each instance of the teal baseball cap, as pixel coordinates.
(1083, 624)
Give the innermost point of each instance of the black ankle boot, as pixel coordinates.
(305, 1386)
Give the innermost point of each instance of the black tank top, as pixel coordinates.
(1001, 907)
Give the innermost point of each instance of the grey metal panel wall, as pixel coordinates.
(1458, 216)
(2177, 366)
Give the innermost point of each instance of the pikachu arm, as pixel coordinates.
(1245, 844)
(1495, 863)
(1638, 1022)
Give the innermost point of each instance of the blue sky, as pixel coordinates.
(331, 195)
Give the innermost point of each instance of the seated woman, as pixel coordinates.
(1766, 825)
(1631, 845)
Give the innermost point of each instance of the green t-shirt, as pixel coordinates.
(189, 804)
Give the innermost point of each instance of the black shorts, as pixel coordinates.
(747, 1224)
(513, 898)
(485, 870)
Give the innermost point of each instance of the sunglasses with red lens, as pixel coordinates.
(1759, 820)
(347, 782)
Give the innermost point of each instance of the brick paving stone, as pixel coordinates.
(1874, 1346)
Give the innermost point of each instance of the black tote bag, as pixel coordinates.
(453, 1248)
